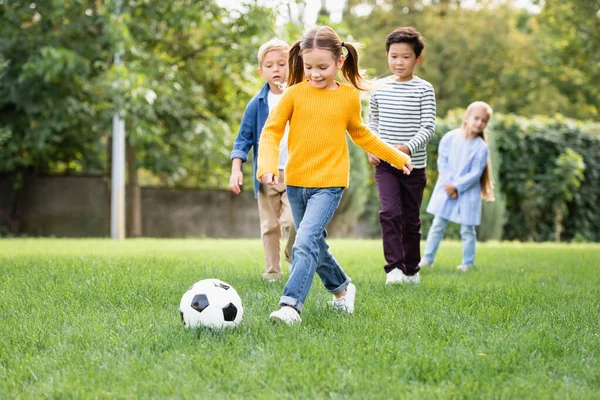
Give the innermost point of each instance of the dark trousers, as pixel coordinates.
(400, 197)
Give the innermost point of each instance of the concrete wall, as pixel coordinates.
(65, 206)
(80, 207)
(198, 213)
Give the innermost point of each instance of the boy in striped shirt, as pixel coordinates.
(402, 113)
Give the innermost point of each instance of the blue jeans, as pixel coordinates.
(312, 209)
(436, 233)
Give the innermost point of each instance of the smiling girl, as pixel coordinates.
(320, 110)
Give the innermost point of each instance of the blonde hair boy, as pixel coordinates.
(271, 45)
(273, 205)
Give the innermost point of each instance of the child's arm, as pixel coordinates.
(373, 125)
(427, 128)
(471, 178)
(236, 180)
(442, 161)
(241, 146)
(368, 141)
(373, 119)
(273, 131)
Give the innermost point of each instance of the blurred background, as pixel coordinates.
(185, 70)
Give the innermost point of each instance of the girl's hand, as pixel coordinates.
(373, 160)
(269, 179)
(407, 167)
(451, 191)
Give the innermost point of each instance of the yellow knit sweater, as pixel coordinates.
(317, 148)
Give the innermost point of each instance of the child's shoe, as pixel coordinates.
(345, 303)
(415, 279)
(395, 277)
(425, 263)
(287, 315)
(273, 277)
(465, 268)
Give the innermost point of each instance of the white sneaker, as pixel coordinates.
(395, 277)
(345, 303)
(464, 268)
(415, 279)
(287, 315)
(425, 263)
(272, 277)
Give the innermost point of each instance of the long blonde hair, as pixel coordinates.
(486, 180)
(324, 37)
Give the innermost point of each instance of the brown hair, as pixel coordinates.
(406, 34)
(486, 180)
(325, 38)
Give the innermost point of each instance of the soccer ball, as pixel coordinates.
(212, 303)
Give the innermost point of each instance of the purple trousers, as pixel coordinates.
(400, 197)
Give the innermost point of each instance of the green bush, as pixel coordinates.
(550, 176)
(546, 175)
(354, 199)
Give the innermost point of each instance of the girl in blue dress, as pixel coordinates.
(465, 177)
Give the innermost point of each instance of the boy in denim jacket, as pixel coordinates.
(273, 205)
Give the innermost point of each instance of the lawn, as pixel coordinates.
(99, 319)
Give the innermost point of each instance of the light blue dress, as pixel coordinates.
(461, 163)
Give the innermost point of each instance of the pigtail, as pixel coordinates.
(323, 37)
(350, 69)
(295, 65)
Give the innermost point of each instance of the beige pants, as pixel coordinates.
(275, 214)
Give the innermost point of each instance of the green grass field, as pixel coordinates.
(99, 319)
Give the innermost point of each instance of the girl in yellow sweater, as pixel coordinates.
(319, 111)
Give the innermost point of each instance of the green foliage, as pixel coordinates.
(493, 214)
(355, 197)
(542, 169)
(546, 176)
(568, 175)
(570, 39)
(542, 190)
(189, 71)
(50, 55)
(492, 54)
(186, 74)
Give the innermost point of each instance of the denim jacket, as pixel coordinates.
(248, 136)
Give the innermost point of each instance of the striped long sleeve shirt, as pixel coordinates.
(404, 113)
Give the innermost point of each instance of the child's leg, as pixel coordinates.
(329, 270)
(412, 187)
(270, 230)
(312, 210)
(287, 220)
(469, 238)
(390, 215)
(434, 237)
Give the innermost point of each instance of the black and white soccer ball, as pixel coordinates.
(212, 303)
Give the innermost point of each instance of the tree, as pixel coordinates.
(489, 54)
(183, 83)
(571, 58)
(186, 75)
(49, 106)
